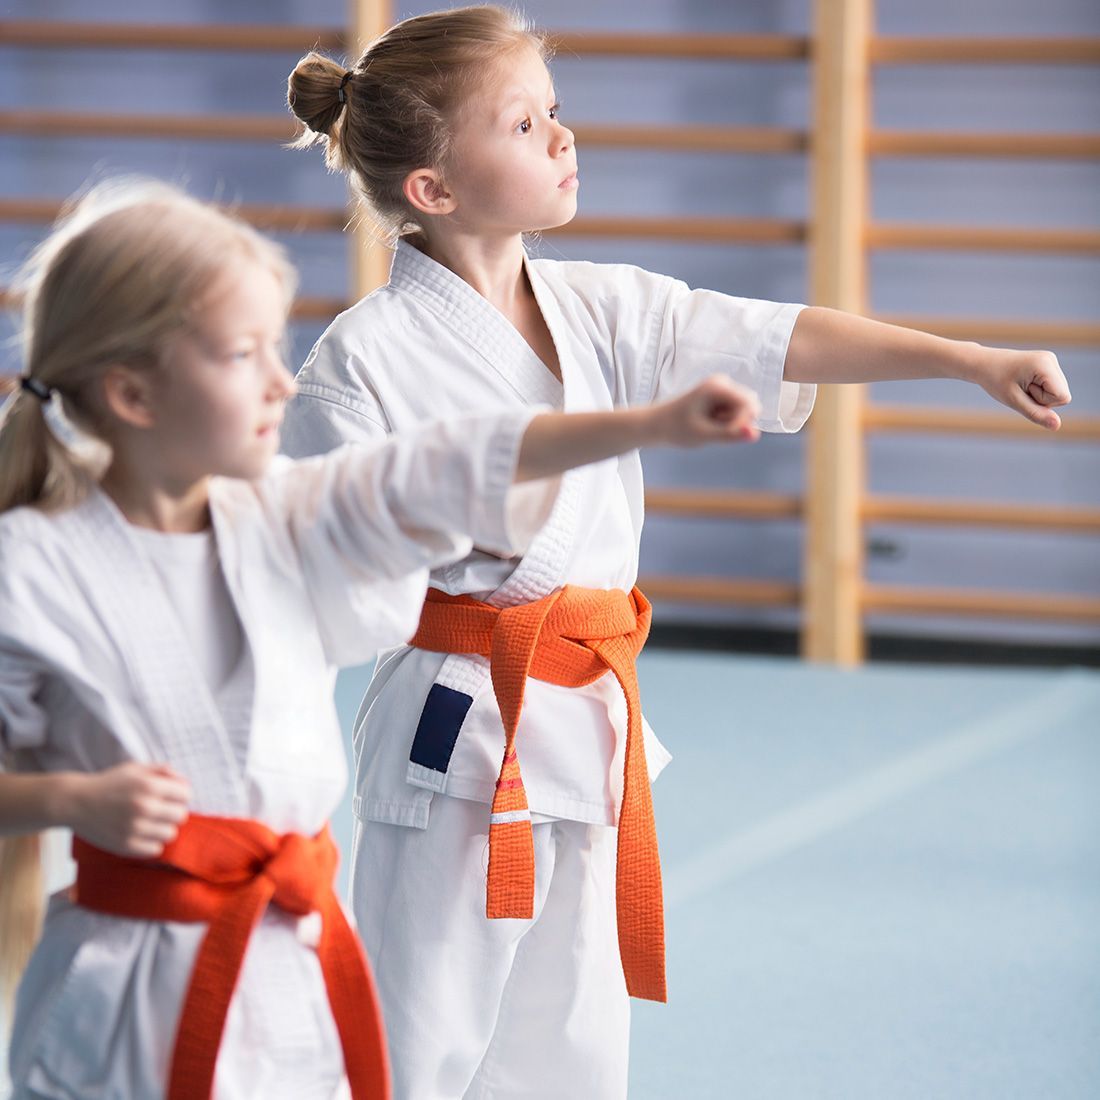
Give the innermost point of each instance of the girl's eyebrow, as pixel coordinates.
(519, 95)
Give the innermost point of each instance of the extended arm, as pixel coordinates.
(828, 345)
(716, 410)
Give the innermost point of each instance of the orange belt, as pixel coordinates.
(571, 638)
(224, 871)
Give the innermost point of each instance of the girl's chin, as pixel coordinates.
(557, 222)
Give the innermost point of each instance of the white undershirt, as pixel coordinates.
(188, 566)
(190, 570)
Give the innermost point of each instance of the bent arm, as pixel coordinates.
(30, 803)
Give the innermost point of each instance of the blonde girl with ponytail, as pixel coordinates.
(451, 134)
(173, 607)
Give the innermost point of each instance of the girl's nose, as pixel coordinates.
(563, 140)
(283, 385)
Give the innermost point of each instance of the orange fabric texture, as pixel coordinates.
(571, 637)
(225, 872)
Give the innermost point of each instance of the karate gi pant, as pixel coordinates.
(494, 1009)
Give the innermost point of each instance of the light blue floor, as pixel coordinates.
(881, 884)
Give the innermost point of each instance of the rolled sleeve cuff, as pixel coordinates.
(785, 406)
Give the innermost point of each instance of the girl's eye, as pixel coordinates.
(555, 111)
(525, 126)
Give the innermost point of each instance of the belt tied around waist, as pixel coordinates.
(571, 638)
(225, 872)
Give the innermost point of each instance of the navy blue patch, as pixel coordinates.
(444, 712)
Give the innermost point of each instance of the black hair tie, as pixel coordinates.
(33, 385)
(340, 95)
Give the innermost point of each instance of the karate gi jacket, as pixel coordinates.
(428, 345)
(325, 561)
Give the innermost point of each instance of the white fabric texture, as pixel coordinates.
(324, 562)
(428, 345)
(187, 565)
(504, 1009)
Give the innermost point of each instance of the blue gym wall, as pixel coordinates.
(1056, 194)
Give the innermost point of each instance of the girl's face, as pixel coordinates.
(513, 167)
(219, 399)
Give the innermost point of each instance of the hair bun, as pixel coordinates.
(315, 93)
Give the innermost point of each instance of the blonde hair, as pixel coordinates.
(125, 269)
(122, 272)
(21, 903)
(394, 113)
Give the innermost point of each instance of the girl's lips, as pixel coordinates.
(569, 183)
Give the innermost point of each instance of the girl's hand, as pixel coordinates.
(714, 410)
(131, 809)
(1030, 382)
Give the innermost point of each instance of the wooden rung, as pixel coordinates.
(716, 139)
(1037, 334)
(294, 219)
(52, 34)
(743, 47)
(721, 591)
(922, 421)
(723, 47)
(702, 230)
(901, 143)
(198, 127)
(722, 504)
(708, 230)
(979, 513)
(318, 309)
(889, 50)
(707, 139)
(29, 210)
(303, 309)
(959, 237)
(288, 218)
(964, 601)
(264, 37)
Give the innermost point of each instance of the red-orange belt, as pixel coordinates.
(225, 871)
(571, 638)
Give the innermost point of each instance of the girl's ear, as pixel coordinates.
(426, 192)
(127, 395)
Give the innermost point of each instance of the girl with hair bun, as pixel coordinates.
(173, 607)
(511, 978)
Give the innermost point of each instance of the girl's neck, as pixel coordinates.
(493, 266)
(159, 506)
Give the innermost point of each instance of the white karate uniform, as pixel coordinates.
(428, 345)
(324, 562)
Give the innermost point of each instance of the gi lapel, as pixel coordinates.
(481, 325)
(184, 728)
(539, 572)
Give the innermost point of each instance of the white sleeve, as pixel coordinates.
(417, 499)
(666, 337)
(330, 411)
(370, 522)
(320, 418)
(704, 332)
(23, 722)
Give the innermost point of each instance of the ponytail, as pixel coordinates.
(36, 467)
(20, 909)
